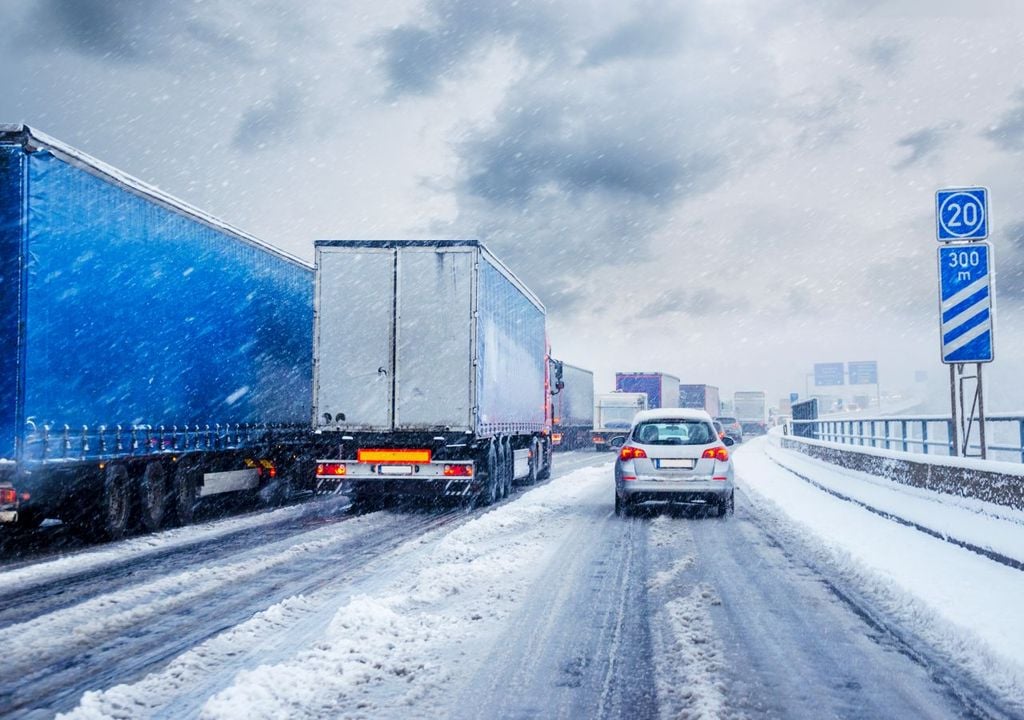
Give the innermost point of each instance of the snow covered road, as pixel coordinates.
(546, 605)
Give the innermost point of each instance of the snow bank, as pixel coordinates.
(960, 602)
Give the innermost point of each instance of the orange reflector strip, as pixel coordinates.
(394, 456)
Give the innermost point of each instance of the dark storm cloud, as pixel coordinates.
(270, 119)
(418, 56)
(886, 53)
(655, 31)
(1008, 133)
(922, 145)
(553, 146)
(153, 31)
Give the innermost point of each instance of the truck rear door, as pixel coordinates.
(355, 333)
(434, 348)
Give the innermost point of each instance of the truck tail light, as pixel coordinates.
(628, 452)
(330, 469)
(8, 496)
(556, 438)
(403, 456)
(458, 470)
(716, 453)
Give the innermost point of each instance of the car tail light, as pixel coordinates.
(628, 478)
(628, 452)
(8, 496)
(716, 453)
(458, 470)
(328, 469)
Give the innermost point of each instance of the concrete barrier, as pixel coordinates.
(996, 482)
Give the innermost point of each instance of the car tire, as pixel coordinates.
(618, 505)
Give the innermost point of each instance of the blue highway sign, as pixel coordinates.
(965, 303)
(863, 373)
(828, 374)
(961, 214)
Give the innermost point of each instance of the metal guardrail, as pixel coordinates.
(927, 434)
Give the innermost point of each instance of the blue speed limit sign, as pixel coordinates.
(962, 213)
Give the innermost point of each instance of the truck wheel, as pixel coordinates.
(545, 461)
(153, 496)
(535, 460)
(185, 494)
(490, 490)
(502, 469)
(115, 503)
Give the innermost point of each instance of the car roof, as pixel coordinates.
(671, 414)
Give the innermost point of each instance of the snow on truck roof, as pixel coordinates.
(671, 414)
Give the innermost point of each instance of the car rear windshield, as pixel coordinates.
(674, 432)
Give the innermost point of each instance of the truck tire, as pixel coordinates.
(153, 496)
(502, 469)
(545, 464)
(489, 493)
(115, 503)
(535, 461)
(185, 493)
(509, 467)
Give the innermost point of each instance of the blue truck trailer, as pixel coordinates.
(662, 389)
(431, 372)
(150, 355)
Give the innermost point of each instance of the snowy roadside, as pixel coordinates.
(958, 601)
(399, 647)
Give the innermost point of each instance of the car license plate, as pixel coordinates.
(395, 469)
(668, 463)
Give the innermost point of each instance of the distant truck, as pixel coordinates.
(431, 372)
(613, 416)
(150, 355)
(572, 405)
(750, 408)
(662, 390)
(700, 397)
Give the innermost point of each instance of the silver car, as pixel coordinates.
(674, 455)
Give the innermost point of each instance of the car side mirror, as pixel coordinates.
(616, 443)
(729, 442)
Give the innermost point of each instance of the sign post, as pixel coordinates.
(966, 310)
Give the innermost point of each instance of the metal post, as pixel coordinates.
(885, 432)
(873, 433)
(924, 436)
(1021, 423)
(903, 434)
(981, 414)
(950, 433)
(952, 403)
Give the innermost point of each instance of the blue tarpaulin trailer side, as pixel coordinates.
(132, 324)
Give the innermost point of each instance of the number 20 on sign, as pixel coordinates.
(961, 214)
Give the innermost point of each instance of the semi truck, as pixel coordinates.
(750, 408)
(662, 389)
(572, 405)
(431, 372)
(700, 397)
(613, 416)
(150, 354)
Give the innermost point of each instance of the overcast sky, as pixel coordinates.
(727, 190)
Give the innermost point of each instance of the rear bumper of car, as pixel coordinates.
(664, 489)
